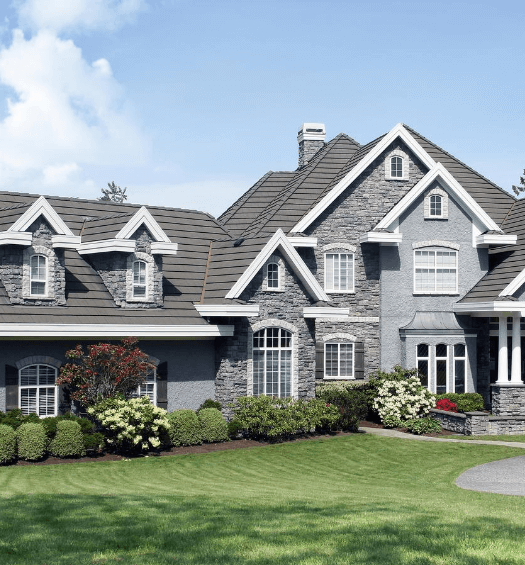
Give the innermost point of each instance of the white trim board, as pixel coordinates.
(488, 308)
(398, 132)
(234, 310)
(326, 312)
(514, 285)
(279, 240)
(143, 216)
(41, 207)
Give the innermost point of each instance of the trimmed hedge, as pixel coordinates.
(32, 441)
(465, 402)
(351, 401)
(425, 425)
(7, 444)
(68, 441)
(185, 428)
(210, 403)
(213, 426)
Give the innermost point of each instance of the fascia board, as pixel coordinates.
(230, 310)
(513, 286)
(66, 241)
(325, 312)
(107, 245)
(464, 198)
(113, 330)
(381, 237)
(398, 131)
(41, 207)
(16, 238)
(490, 307)
(143, 216)
(487, 239)
(163, 248)
(301, 270)
(298, 241)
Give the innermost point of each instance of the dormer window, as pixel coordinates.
(142, 280)
(396, 165)
(139, 279)
(436, 204)
(38, 275)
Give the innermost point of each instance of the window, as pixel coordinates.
(459, 367)
(436, 204)
(435, 271)
(441, 368)
(339, 272)
(442, 379)
(272, 362)
(339, 361)
(38, 275)
(149, 388)
(436, 208)
(139, 279)
(396, 167)
(38, 392)
(423, 362)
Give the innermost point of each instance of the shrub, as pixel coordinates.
(445, 404)
(209, 403)
(93, 442)
(466, 401)
(426, 425)
(213, 426)
(68, 441)
(351, 402)
(32, 441)
(132, 426)
(185, 428)
(7, 444)
(235, 428)
(14, 418)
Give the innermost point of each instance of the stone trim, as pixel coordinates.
(280, 270)
(50, 272)
(406, 165)
(342, 246)
(150, 289)
(444, 204)
(436, 243)
(339, 337)
(38, 360)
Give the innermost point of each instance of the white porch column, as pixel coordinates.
(503, 360)
(515, 374)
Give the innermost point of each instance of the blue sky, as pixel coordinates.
(188, 103)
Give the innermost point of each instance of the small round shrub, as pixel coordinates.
(235, 428)
(68, 441)
(93, 442)
(426, 425)
(7, 444)
(32, 441)
(185, 428)
(209, 403)
(213, 426)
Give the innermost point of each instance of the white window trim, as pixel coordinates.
(339, 250)
(459, 358)
(279, 348)
(50, 271)
(447, 369)
(154, 383)
(148, 259)
(444, 204)
(339, 342)
(38, 387)
(405, 166)
(275, 259)
(435, 292)
(428, 360)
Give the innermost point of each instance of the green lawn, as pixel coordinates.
(355, 500)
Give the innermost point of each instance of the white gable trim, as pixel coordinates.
(513, 286)
(41, 207)
(484, 309)
(143, 216)
(438, 171)
(279, 240)
(398, 132)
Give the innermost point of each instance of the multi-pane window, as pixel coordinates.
(396, 167)
(38, 274)
(436, 206)
(149, 387)
(38, 392)
(273, 275)
(449, 367)
(423, 362)
(339, 272)
(441, 368)
(435, 270)
(459, 367)
(339, 360)
(272, 362)
(139, 279)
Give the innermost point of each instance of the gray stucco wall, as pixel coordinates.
(398, 301)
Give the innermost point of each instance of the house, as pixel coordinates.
(365, 256)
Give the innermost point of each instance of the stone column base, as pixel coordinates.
(508, 400)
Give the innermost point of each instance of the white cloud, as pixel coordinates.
(67, 113)
(77, 15)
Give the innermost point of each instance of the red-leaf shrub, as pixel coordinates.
(445, 404)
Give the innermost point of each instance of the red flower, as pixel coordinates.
(447, 405)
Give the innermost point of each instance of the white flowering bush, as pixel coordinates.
(399, 400)
(131, 426)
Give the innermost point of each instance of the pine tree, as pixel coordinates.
(113, 193)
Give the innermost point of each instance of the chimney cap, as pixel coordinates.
(311, 131)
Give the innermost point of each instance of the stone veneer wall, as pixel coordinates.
(480, 423)
(508, 400)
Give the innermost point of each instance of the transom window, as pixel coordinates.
(435, 271)
(339, 360)
(139, 279)
(436, 208)
(273, 275)
(396, 167)
(272, 362)
(38, 392)
(38, 274)
(339, 272)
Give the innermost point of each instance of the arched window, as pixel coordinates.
(38, 392)
(459, 367)
(423, 363)
(396, 167)
(139, 279)
(273, 275)
(436, 207)
(272, 362)
(38, 275)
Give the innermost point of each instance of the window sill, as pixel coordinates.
(430, 293)
(274, 290)
(38, 297)
(405, 179)
(340, 291)
(339, 378)
(436, 218)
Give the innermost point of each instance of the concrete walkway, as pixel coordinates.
(501, 477)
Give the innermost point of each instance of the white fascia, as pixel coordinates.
(488, 308)
(383, 238)
(488, 239)
(299, 241)
(143, 216)
(66, 241)
(438, 171)
(513, 286)
(398, 132)
(16, 238)
(107, 245)
(41, 207)
(326, 312)
(279, 240)
(233, 310)
(113, 330)
(163, 248)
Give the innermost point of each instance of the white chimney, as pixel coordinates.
(311, 138)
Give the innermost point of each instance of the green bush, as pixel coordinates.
(351, 401)
(185, 428)
(209, 403)
(14, 418)
(426, 425)
(213, 426)
(68, 441)
(32, 441)
(235, 428)
(466, 402)
(7, 444)
(93, 442)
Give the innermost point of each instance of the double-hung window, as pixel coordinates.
(339, 361)
(436, 206)
(396, 167)
(339, 272)
(38, 275)
(139, 279)
(272, 362)
(436, 271)
(149, 387)
(38, 392)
